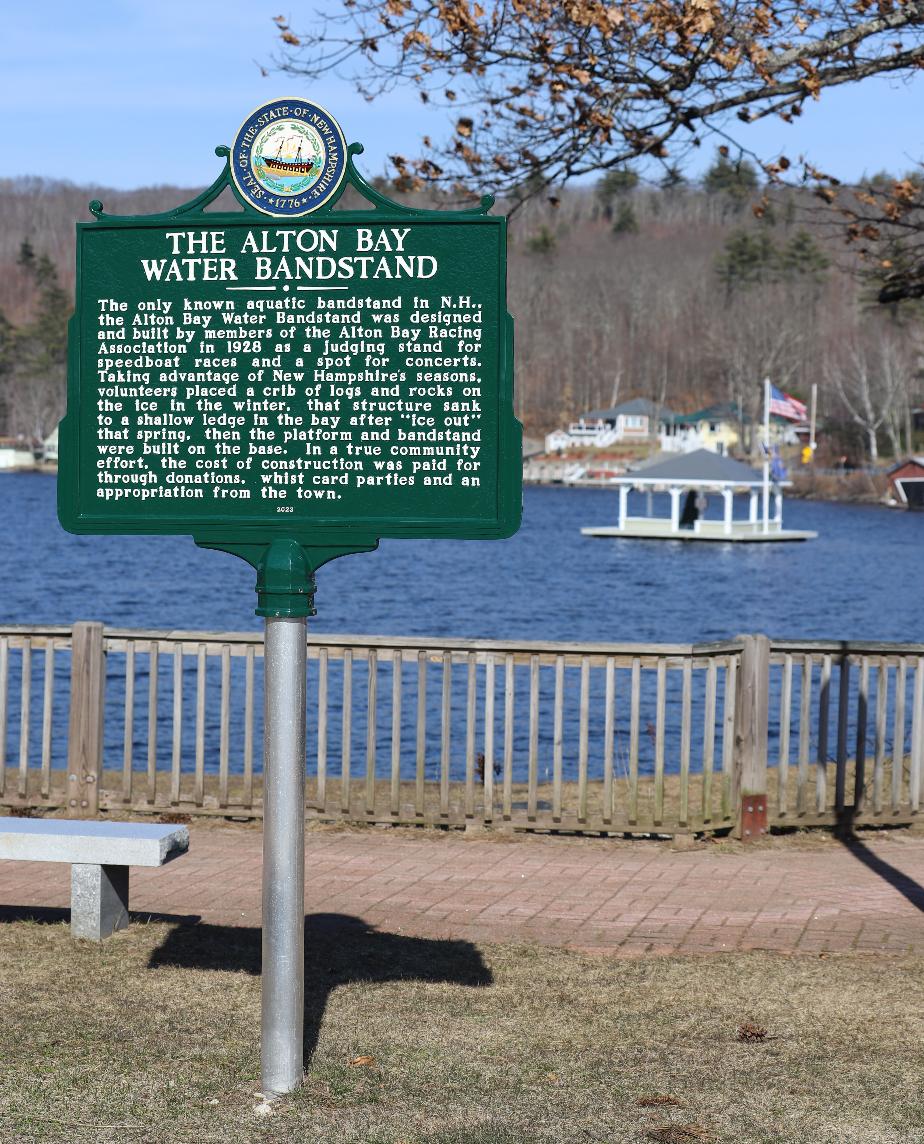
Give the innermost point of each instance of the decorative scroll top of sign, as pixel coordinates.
(291, 389)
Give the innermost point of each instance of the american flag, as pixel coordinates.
(785, 406)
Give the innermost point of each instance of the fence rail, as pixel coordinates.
(611, 738)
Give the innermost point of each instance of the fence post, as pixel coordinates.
(85, 724)
(752, 703)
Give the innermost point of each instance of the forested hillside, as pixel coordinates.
(685, 294)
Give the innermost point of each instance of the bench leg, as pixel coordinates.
(99, 900)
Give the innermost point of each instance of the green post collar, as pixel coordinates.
(285, 570)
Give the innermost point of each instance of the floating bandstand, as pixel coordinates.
(690, 479)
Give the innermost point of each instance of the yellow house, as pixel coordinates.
(718, 429)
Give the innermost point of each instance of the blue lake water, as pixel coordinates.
(861, 579)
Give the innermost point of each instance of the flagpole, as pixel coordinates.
(766, 489)
(814, 408)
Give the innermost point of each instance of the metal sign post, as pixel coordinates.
(283, 854)
(290, 383)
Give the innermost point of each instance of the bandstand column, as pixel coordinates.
(675, 509)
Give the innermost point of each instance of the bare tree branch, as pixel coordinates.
(556, 89)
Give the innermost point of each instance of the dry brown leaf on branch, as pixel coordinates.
(905, 189)
(416, 36)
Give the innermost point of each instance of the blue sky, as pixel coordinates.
(126, 94)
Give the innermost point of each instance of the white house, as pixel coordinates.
(16, 454)
(636, 420)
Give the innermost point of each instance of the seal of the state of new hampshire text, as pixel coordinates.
(289, 157)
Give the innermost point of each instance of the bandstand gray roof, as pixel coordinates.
(701, 467)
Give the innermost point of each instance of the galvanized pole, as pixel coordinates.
(766, 481)
(282, 1053)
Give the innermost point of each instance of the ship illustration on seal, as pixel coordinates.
(290, 164)
(288, 157)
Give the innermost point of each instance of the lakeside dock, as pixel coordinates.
(708, 531)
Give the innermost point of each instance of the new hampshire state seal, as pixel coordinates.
(289, 157)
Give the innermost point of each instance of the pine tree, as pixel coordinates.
(7, 334)
(614, 185)
(543, 242)
(619, 181)
(878, 181)
(803, 258)
(7, 358)
(673, 179)
(26, 257)
(736, 180)
(49, 327)
(748, 258)
(37, 362)
(625, 221)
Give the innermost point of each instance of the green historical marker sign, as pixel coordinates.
(291, 382)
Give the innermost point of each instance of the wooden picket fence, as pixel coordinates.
(590, 738)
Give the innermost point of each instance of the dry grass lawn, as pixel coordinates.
(706, 810)
(154, 1036)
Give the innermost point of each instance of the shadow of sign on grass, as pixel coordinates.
(339, 950)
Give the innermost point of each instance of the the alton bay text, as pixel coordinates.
(287, 398)
(315, 254)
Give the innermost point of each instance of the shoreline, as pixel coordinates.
(843, 488)
(855, 487)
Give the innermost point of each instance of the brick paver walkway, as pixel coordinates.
(626, 899)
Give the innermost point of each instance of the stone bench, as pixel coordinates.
(100, 854)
